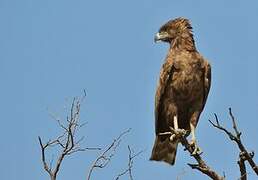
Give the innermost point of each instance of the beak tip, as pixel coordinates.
(157, 38)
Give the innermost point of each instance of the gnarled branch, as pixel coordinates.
(201, 164)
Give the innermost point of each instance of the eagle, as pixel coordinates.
(182, 90)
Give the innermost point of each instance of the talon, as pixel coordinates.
(178, 132)
(165, 133)
(172, 137)
(197, 150)
(182, 132)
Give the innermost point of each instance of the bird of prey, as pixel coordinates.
(182, 90)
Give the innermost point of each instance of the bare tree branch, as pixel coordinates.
(105, 157)
(181, 134)
(66, 141)
(244, 155)
(128, 170)
(242, 168)
(201, 165)
(43, 158)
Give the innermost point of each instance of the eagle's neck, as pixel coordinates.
(184, 41)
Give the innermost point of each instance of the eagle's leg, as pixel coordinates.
(175, 129)
(176, 132)
(175, 122)
(172, 131)
(197, 150)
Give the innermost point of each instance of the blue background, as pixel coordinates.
(51, 50)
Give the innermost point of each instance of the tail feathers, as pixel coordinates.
(164, 150)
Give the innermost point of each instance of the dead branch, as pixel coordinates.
(201, 165)
(181, 134)
(105, 157)
(242, 168)
(128, 170)
(244, 155)
(66, 142)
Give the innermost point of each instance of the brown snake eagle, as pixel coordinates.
(182, 90)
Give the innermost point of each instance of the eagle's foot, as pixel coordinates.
(166, 134)
(178, 132)
(171, 134)
(174, 133)
(172, 137)
(196, 148)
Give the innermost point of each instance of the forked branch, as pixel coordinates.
(128, 170)
(66, 142)
(201, 164)
(235, 136)
(105, 157)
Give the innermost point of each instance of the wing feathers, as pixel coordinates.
(165, 76)
(207, 81)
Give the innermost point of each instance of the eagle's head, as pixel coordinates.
(176, 28)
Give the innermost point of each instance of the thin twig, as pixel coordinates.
(105, 157)
(128, 170)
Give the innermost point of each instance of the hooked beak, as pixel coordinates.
(160, 36)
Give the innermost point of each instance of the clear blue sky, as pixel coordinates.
(51, 50)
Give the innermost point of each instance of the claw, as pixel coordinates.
(165, 133)
(197, 149)
(175, 133)
(178, 132)
(172, 137)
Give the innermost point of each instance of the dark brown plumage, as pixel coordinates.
(182, 91)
